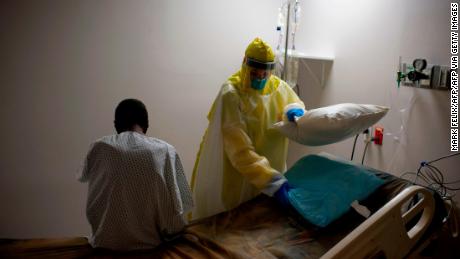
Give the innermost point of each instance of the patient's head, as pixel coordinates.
(131, 114)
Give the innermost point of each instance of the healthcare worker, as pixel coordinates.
(241, 154)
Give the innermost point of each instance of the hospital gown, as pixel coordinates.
(137, 194)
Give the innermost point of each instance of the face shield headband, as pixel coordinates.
(261, 65)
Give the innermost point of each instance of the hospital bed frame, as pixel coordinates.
(385, 231)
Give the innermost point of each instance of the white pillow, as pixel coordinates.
(331, 124)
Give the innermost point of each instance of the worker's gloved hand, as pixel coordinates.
(293, 110)
(291, 114)
(282, 195)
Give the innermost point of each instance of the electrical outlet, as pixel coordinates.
(368, 135)
(378, 135)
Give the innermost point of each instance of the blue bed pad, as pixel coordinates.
(324, 186)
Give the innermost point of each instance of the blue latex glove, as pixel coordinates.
(282, 195)
(292, 113)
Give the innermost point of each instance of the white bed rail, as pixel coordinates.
(385, 231)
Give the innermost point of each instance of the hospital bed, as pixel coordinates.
(260, 228)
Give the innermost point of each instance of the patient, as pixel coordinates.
(138, 194)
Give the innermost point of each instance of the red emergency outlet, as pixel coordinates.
(378, 135)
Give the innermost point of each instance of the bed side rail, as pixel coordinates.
(385, 231)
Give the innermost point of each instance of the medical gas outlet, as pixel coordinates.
(420, 74)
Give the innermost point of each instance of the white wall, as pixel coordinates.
(66, 64)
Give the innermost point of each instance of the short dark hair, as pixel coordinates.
(130, 112)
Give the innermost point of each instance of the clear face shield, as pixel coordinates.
(259, 72)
